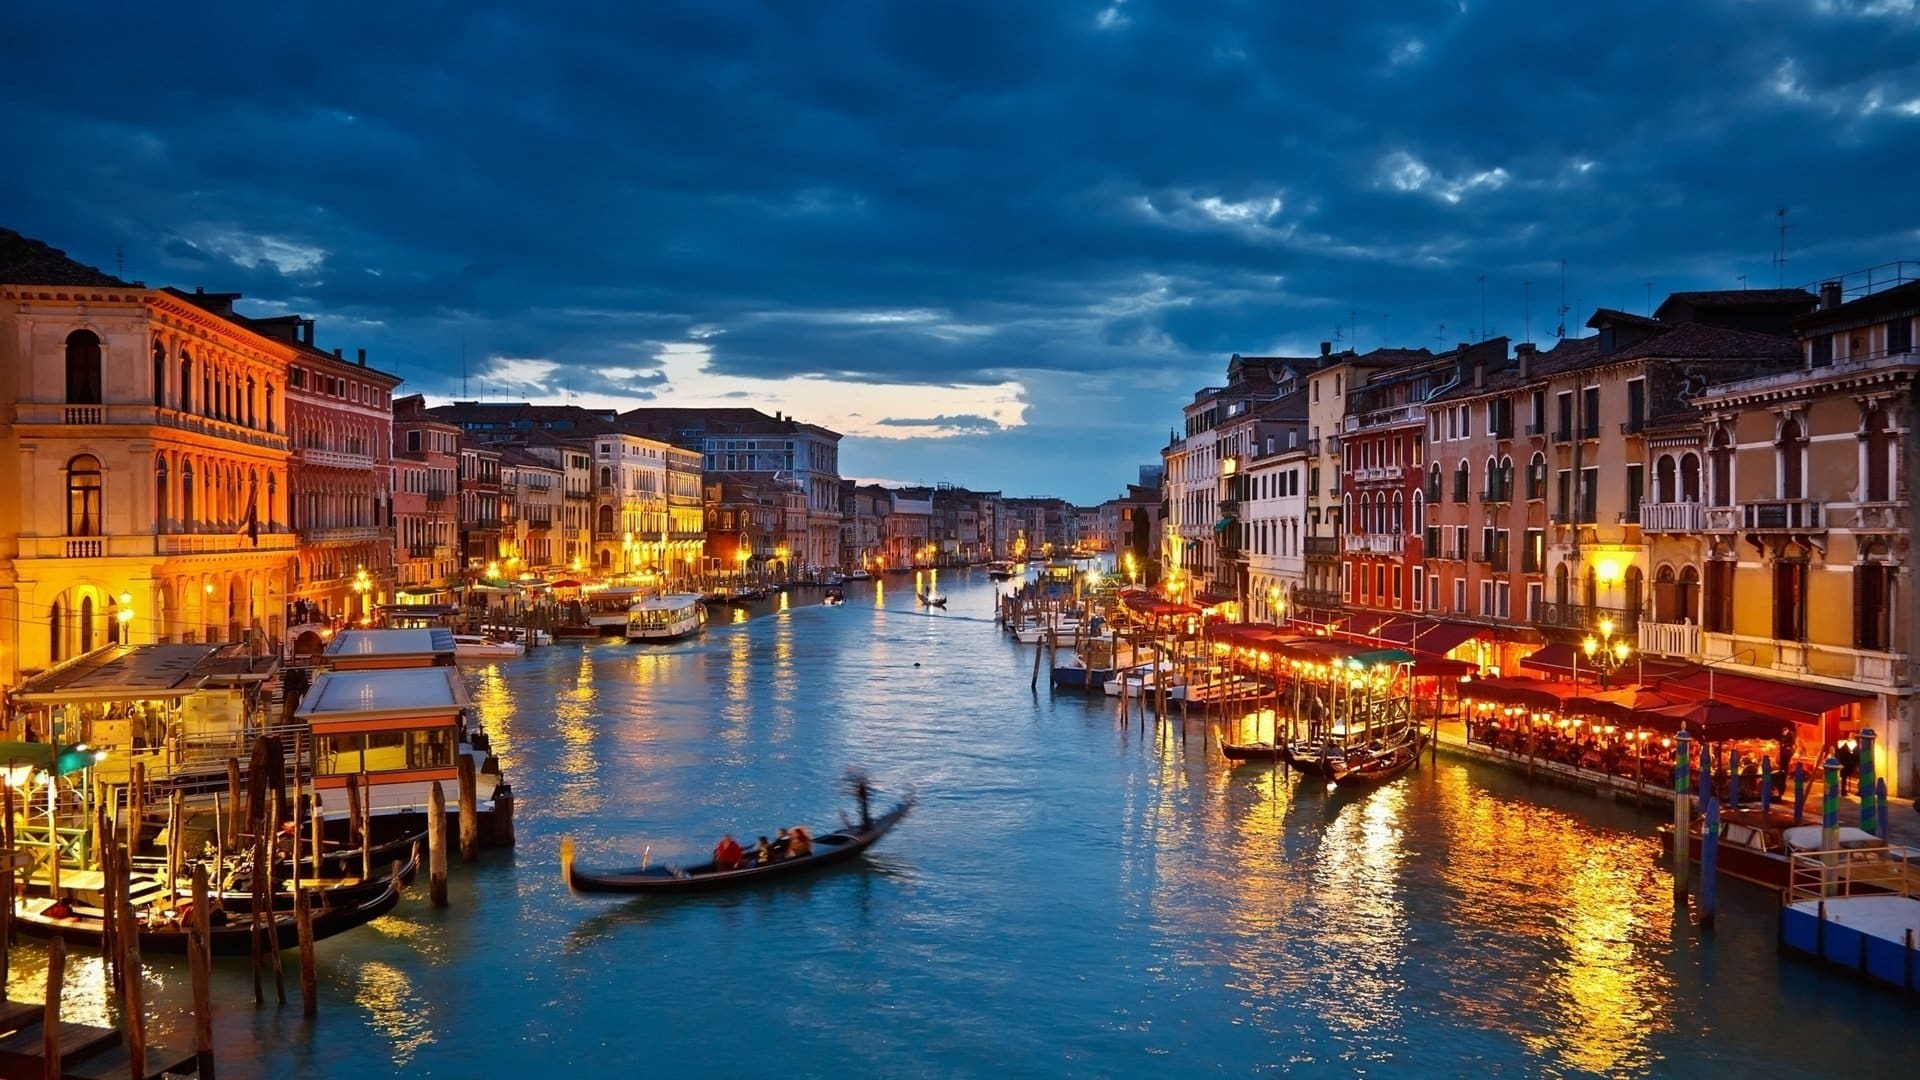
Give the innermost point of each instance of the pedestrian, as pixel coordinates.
(1849, 757)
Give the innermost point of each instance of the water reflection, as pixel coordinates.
(400, 1016)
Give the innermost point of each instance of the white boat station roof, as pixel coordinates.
(425, 642)
(142, 673)
(668, 602)
(394, 692)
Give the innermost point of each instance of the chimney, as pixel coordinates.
(363, 357)
(1829, 295)
(1326, 348)
(336, 354)
(1523, 353)
(1479, 374)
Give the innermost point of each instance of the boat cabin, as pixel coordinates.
(372, 650)
(398, 729)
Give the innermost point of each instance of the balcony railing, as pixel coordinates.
(85, 549)
(223, 543)
(342, 534)
(1670, 639)
(1497, 493)
(1590, 430)
(1561, 435)
(1633, 427)
(1375, 543)
(1381, 472)
(86, 414)
(419, 551)
(1318, 598)
(1676, 517)
(334, 459)
(1879, 516)
(1536, 428)
(1313, 447)
(436, 494)
(1322, 546)
(1588, 617)
(1774, 515)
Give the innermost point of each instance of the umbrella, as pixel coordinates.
(1622, 705)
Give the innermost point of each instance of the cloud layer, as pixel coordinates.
(999, 242)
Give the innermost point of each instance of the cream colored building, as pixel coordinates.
(143, 495)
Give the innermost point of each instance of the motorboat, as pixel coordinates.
(1000, 571)
(666, 618)
(1759, 848)
(481, 647)
(860, 575)
(834, 598)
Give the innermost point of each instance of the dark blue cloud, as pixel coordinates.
(1097, 200)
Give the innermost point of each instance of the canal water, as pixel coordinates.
(1073, 895)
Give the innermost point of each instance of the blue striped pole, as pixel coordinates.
(1766, 785)
(1733, 781)
(1830, 807)
(1682, 815)
(1709, 863)
(1880, 798)
(1800, 790)
(1869, 821)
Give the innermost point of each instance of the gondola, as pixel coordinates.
(328, 891)
(835, 847)
(1253, 751)
(933, 601)
(1379, 766)
(834, 598)
(346, 861)
(232, 938)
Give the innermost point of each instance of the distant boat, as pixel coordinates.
(478, 647)
(1000, 571)
(834, 598)
(859, 575)
(931, 600)
(828, 849)
(666, 618)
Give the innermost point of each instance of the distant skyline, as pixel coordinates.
(996, 244)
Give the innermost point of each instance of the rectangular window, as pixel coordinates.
(1636, 405)
(1823, 350)
(1419, 587)
(1717, 618)
(1900, 337)
(1396, 585)
(1486, 599)
(1870, 607)
(1563, 429)
(1563, 496)
(413, 442)
(1459, 542)
(1536, 599)
(1636, 491)
(1790, 601)
(1433, 593)
(1589, 495)
(1503, 600)
(1533, 551)
(1460, 595)
(1537, 413)
(1380, 583)
(1590, 413)
(1486, 545)
(1502, 553)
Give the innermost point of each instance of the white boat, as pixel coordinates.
(1065, 631)
(666, 618)
(477, 647)
(859, 575)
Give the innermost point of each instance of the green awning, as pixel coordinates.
(1380, 656)
(1222, 524)
(39, 754)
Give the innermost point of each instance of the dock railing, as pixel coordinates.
(1853, 871)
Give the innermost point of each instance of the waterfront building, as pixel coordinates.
(1268, 489)
(686, 534)
(531, 499)
(340, 423)
(479, 502)
(865, 508)
(144, 495)
(1808, 525)
(572, 529)
(777, 448)
(1383, 464)
(744, 521)
(908, 539)
(426, 456)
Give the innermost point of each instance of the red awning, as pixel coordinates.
(1566, 660)
(1213, 599)
(1803, 703)
(1714, 721)
(1435, 637)
(1532, 693)
(1442, 667)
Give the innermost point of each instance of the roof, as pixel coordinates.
(346, 695)
(391, 643)
(26, 261)
(1736, 298)
(128, 671)
(1698, 341)
(1886, 302)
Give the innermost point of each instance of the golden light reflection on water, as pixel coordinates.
(739, 616)
(493, 702)
(1532, 871)
(394, 1010)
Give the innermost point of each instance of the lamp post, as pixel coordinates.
(1606, 653)
(125, 617)
(626, 554)
(361, 584)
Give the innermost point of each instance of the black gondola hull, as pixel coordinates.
(828, 850)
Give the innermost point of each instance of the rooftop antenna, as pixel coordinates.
(1526, 303)
(1780, 253)
(1483, 308)
(119, 261)
(463, 372)
(1560, 331)
(1441, 337)
(1743, 282)
(1353, 323)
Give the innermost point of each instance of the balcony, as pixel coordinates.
(1774, 515)
(1879, 668)
(1498, 493)
(1400, 414)
(1536, 428)
(222, 543)
(1382, 472)
(1322, 547)
(1483, 556)
(1316, 598)
(419, 551)
(1590, 430)
(1677, 517)
(55, 414)
(1633, 427)
(541, 518)
(1375, 543)
(1588, 617)
(333, 459)
(1670, 639)
(343, 534)
(1563, 435)
(86, 414)
(1879, 517)
(1313, 447)
(436, 494)
(1503, 431)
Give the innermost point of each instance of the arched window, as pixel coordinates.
(1491, 491)
(1635, 586)
(1420, 517)
(606, 520)
(1687, 594)
(1462, 481)
(55, 643)
(159, 376)
(1689, 478)
(1433, 480)
(250, 391)
(1590, 595)
(1537, 476)
(83, 496)
(1721, 456)
(1665, 490)
(273, 495)
(189, 511)
(606, 477)
(1398, 507)
(83, 368)
(1561, 592)
(1878, 445)
(186, 383)
(160, 501)
(1506, 479)
(113, 621)
(1792, 446)
(86, 624)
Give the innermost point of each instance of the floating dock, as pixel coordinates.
(86, 1052)
(1828, 916)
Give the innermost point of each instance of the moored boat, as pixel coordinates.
(838, 846)
(480, 647)
(666, 618)
(41, 917)
(1000, 571)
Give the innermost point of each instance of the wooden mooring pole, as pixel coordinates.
(200, 956)
(437, 846)
(469, 811)
(50, 1025)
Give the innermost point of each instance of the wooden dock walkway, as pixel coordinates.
(86, 1052)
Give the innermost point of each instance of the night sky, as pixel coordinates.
(996, 244)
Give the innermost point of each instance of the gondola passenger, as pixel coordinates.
(727, 853)
(799, 841)
(762, 852)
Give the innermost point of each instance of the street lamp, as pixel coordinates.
(626, 554)
(1133, 569)
(1606, 653)
(361, 585)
